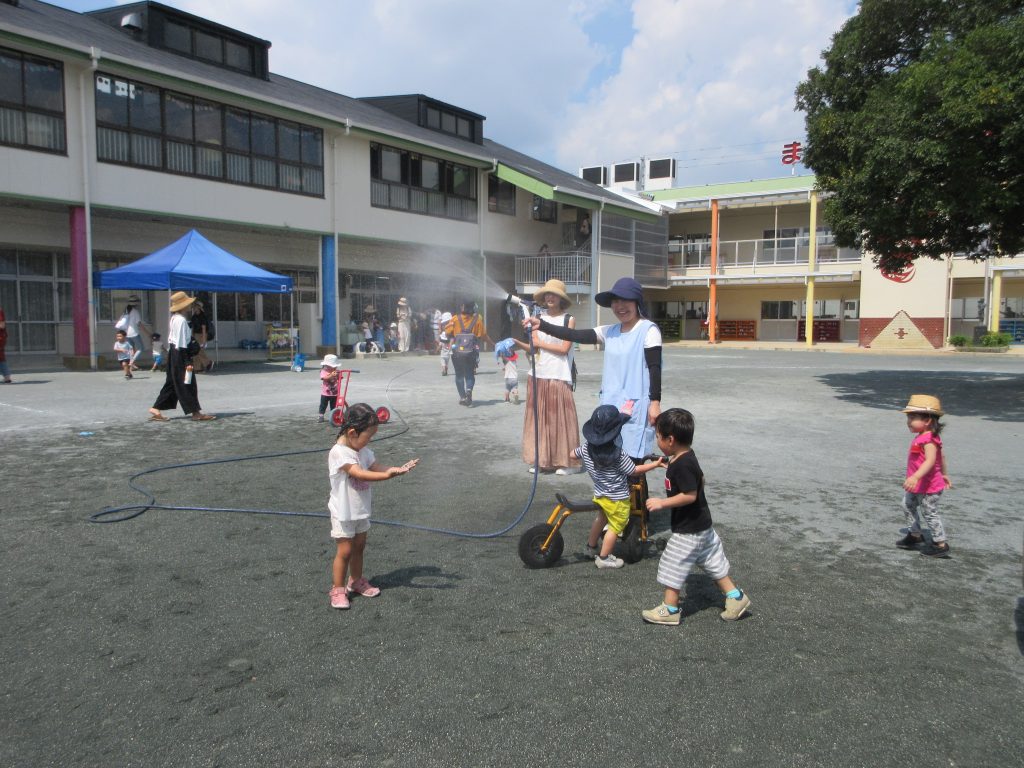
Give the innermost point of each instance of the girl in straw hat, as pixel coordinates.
(179, 387)
(557, 425)
(926, 476)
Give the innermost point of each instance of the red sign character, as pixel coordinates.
(792, 153)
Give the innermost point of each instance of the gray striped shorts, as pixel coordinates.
(684, 550)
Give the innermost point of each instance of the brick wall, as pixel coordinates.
(901, 333)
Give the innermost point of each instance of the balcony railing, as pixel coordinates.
(754, 253)
(571, 267)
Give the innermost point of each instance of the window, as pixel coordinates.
(31, 102)
(662, 169)
(148, 127)
(501, 196)
(779, 310)
(206, 44)
(446, 121)
(544, 210)
(597, 174)
(408, 181)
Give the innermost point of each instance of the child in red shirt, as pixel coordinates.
(926, 476)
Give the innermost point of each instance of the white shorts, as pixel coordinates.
(348, 529)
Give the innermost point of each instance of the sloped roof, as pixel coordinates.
(67, 31)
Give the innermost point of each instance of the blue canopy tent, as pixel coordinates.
(193, 263)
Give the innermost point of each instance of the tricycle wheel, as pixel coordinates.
(632, 546)
(338, 416)
(533, 539)
(383, 415)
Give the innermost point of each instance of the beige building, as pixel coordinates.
(123, 129)
(761, 253)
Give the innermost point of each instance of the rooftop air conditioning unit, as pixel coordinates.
(660, 173)
(595, 174)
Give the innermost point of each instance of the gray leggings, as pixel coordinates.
(929, 506)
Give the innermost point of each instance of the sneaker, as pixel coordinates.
(910, 541)
(531, 470)
(362, 587)
(469, 398)
(320, 419)
(515, 398)
(609, 562)
(735, 608)
(568, 470)
(662, 615)
(591, 553)
(936, 550)
(462, 400)
(339, 598)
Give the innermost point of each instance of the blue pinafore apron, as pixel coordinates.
(626, 377)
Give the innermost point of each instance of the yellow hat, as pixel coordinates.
(924, 404)
(180, 300)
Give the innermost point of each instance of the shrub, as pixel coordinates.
(958, 341)
(996, 340)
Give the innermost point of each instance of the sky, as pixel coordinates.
(571, 82)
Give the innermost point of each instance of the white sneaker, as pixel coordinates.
(609, 562)
(568, 470)
(531, 470)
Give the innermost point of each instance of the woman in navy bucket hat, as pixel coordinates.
(632, 360)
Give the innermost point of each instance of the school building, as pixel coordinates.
(124, 128)
(755, 261)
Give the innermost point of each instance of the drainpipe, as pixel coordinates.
(712, 282)
(595, 261)
(480, 233)
(85, 79)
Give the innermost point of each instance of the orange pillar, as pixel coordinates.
(713, 283)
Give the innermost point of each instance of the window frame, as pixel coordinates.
(24, 109)
(210, 155)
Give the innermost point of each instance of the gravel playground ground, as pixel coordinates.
(205, 638)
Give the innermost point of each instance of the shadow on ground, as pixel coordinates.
(992, 396)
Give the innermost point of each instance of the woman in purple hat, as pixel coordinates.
(632, 361)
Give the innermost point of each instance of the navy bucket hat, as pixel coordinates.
(604, 425)
(625, 288)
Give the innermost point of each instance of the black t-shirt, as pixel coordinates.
(684, 476)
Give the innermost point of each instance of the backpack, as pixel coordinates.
(465, 344)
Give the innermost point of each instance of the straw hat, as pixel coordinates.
(134, 299)
(180, 300)
(924, 404)
(330, 361)
(556, 287)
(403, 302)
(369, 309)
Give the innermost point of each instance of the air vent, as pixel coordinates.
(132, 22)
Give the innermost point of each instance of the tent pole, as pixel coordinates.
(216, 341)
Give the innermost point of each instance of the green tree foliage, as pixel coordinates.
(915, 126)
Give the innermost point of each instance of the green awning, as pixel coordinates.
(546, 191)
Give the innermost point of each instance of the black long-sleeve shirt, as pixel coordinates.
(652, 355)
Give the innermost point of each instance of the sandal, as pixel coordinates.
(203, 417)
(158, 417)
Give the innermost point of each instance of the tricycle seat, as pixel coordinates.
(577, 506)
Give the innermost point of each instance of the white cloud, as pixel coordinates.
(704, 74)
(695, 73)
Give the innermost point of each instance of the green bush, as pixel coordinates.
(958, 341)
(996, 340)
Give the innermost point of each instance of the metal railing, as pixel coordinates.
(754, 253)
(571, 267)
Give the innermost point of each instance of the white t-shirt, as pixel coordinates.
(350, 498)
(651, 339)
(134, 318)
(179, 334)
(549, 364)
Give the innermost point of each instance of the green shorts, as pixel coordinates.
(616, 511)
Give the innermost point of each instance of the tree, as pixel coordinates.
(915, 129)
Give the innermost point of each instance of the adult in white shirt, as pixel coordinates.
(558, 431)
(180, 384)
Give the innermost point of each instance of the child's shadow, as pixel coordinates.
(417, 577)
(701, 593)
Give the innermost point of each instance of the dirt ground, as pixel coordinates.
(204, 638)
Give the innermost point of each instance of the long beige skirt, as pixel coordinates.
(559, 427)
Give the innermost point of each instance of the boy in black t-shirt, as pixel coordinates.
(693, 540)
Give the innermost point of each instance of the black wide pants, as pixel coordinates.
(175, 390)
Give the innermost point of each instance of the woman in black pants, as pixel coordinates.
(176, 390)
